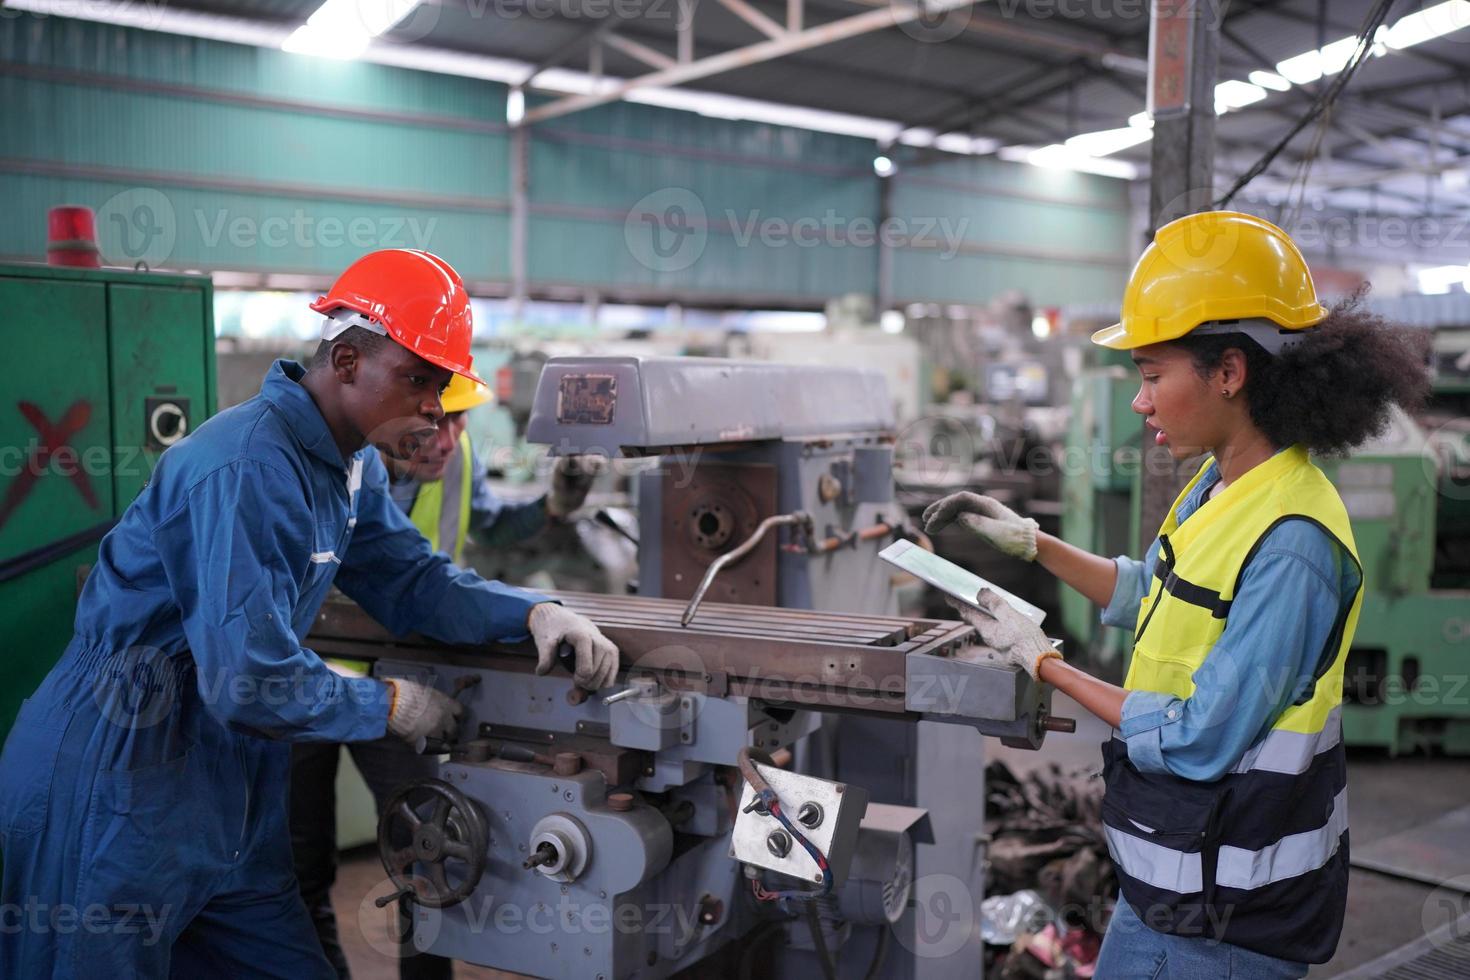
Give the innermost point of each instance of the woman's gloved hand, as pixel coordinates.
(418, 711)
(551, 625)
(999, 526)
(1007, 631)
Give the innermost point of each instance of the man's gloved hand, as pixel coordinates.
(551, 625)
(418, 711)
(1007, 631)
(571, 478)
(1000, 527)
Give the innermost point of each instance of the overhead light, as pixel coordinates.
(515, 106)
(917, 137)
(882, 166)
(1234, 94)
(891, 321)
(344, 28)
(312, 40)
(1438, 280)
(1040, 327)
(1428, 24)
(1329, 59)
(1060, 157)
(954, 142)
(1106, 141)
(1270, 80)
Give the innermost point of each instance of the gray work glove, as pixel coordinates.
(1007, 631)
(999, 526)
(571, 478)
(551, 625)
(418, 711)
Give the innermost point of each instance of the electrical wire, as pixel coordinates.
(1325, 99)
(767, 801)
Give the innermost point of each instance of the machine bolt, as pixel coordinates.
(576, 696)
(809, 816)
(1052, 723)
(621, 802)
(586, 950)
(567, 764)
(567, 796)
(711, 910)
(779, 843)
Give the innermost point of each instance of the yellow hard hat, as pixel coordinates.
(463, 394)
(1214, 266)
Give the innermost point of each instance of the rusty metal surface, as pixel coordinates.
(830, 660)
(709, 513)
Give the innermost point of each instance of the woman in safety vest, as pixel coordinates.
(1225, 809)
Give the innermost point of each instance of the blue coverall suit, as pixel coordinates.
(143, 819)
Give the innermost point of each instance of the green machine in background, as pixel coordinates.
(1100, 493)
(1408, 495)
(110, 368)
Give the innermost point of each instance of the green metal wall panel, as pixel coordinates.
(293, 164)
(232, 69)
(197, 228)
(732, 222)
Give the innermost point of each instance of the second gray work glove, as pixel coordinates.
(571, 479)
(1007, 631)
(999, 526)
(551, 625)
(419, 711)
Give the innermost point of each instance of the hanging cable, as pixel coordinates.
(1366, 36)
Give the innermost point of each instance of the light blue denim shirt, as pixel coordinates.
(1292, 592)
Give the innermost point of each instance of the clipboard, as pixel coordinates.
(951, 579)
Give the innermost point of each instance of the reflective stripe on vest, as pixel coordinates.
(437, 522)
(1257, 858)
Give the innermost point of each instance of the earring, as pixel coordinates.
(1225, 392)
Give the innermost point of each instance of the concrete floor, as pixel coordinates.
(1384, 913)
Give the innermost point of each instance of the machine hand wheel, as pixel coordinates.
(454, 830)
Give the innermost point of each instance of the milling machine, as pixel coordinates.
(786, 773)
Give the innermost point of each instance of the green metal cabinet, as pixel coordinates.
(109, 368)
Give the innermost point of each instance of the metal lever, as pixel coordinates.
(798, 519)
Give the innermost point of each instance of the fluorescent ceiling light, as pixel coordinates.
(1270, 80)
(1106, 141)
(917, 137)
(1060, 157)
(344, 28)
(515, 106)
(954, 142)
(1428, 24)
(1438, 280)
(1329, 59)
(882, 166)
(1234, 93)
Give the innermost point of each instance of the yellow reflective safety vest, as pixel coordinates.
(445, 527)
(1259, 857)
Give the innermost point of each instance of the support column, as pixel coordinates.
(1183, 62)
(520, 140)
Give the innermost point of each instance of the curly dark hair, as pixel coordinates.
(1332, 391)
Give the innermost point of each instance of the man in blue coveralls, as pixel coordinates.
(143, 819)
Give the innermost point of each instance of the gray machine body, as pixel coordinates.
(806, 439)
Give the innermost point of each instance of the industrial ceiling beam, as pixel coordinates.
(639, 51)
(790, 43)
(754, 18)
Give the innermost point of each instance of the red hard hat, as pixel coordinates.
(416, 297)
